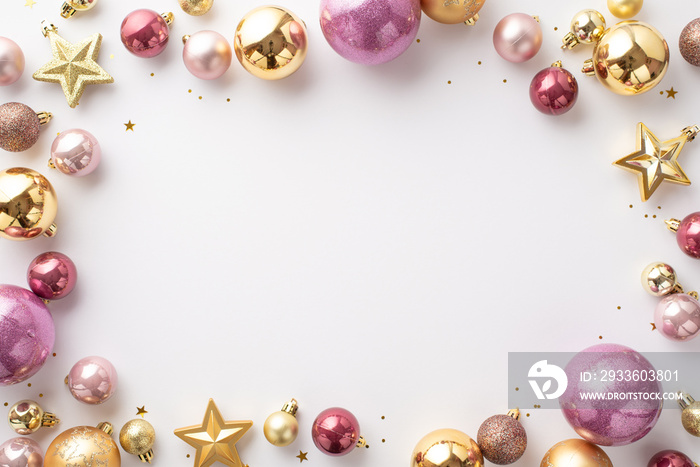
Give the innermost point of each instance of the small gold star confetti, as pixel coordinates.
(129, 126)
(671, 93)
(141, 410)
(302, 456)
(29, 3)
(653, 326)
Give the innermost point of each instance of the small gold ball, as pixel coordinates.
(25, 417)
(625, 9)
(196, 7)
(82, 5)
(28, 204)
(452, 12)
(690, 417)
(575, 453)
(659, 279)
(82, 442)
(281, 428)
(588, 26)
(446, 448)
(137, 437)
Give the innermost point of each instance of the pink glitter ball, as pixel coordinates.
(19, 127)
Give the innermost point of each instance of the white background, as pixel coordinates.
(366, 237)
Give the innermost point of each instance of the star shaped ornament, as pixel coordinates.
(215, 439)
(656, 161)
(74, 66)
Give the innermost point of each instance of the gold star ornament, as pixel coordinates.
(72, 66)
(656, 161)
(215, 439)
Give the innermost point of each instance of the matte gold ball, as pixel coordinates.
(196, 7)
(25, 417)
(625, 9)
(271, 42)
(137, 437)
(659, 279)
(451, 12)
(588, 26)
(690, 418)
(575, 453)
(631, 58)
(83, 446)
(82, 5)
(281, 428)
(28, 204)
(446, 448)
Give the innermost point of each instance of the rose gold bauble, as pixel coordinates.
(575, 453)
(84, 446)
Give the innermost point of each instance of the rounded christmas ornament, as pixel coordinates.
(52, 275)
(446, 448)
(502, 438)
(370, 32)
(554, 90)
(11, 61)
(84, 446)
(26, 417)
(616, 417)
(517, 37)
(336, 432)
(28, 205)
(70, 7)
(75, 152)
(137, 437)
(659, 279)
(670, 458)
(271, 42)
(625, 9)
(21, 452)
(575, 453)
(587, 27)
(690, 413)
(281, 428)
(689, 42)
(19, 126)
(92, 380)
(145, 33)
(196, 7)
(687, 233)
(207, 54)
(453, 12)
(677, 317)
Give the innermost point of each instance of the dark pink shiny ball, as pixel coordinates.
(145, 33)
(553, 91)
(335, 431)
(688, 235)
(670, 458)
(52, 275)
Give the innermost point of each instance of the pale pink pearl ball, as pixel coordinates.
(11, 61)
(517, 37)
(207, 54)
(92, 380)
(76, 152)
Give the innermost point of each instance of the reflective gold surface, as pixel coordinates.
(625, 9)
(26, 417)
(28, 204)
(453, 11)
(659, 279)
(587, 26)
(196, 7)
(446, 448)
(575, 453)
(631, 58)
(271, 42)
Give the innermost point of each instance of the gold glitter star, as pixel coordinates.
(653, 326)
(671, 93)
(141, 410)
(30, 4)
(302, 456)
(655, 161)
(215, 439)
(129, 126)
(73, 66)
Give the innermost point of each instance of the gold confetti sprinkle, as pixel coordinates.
(556, 28)
(418, 40)
(527, 414)
(517, 389)
(153, 74)
(383, 440)
(600, 337)
(302, 456)
(658, 207)
(619, 307)
(111, 56)
(129, 126)
(6, 404)
(30, 4)
(383, 417)
(141, 410)
(200, 98)
(54, 354)
(479, 62)
(654, 216)
(661, 92)
(189, 90)
(671, 93)
(366, 446)
(646, 215)
(41, 395)
(29, 385)
(630, 206)
(653, 328)
(188, 456)
(228, 100)
(449, 82)
(505, 80)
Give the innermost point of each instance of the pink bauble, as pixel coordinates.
(670, 458)
(688, 235)
(370, 32)
(76, 152)
(21, 452)
(92, 380)
(207, 54)
(19, 127)
(517, 37)
(52, 275)
(677, 317)
(145, 33)
(26, 334)
(11, 61)
(553, 91)
(335, 431)
(604, 419)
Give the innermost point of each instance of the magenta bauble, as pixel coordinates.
(688, 235)
(92, 380)
(670, 458)
(553, 91)
(145, 33)
(335, 431)
(52, 275)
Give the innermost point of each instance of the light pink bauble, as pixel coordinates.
(11, 61)
(677, 317)
(21, 452)
(76, 152)
(517, 37)
(92, 380)
(207, 54)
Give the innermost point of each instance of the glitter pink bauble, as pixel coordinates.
(76, 152)
(517, 37)
(52, 275)
(688, 235)
(370, 32)
(21, 452)
(670, 458)
(335, 431)
(689, 42)
(207, 54)
(677, 317)
(19, 127)
(145, 33)
(11, 61)
(553, 91)
(92, 380)
(26, 334)
(502, 439)
(610, 421)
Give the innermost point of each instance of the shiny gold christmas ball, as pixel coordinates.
(446, 448)
(281, 428)
(28, 204)
(82, 5)
(625, 9)
(26, 417)
(631, 58)
(575, 453)
(83, 446)
(659, 279)
(137, 437)
(452, 12)
(271, 42)
(587, 26)
(196, 7)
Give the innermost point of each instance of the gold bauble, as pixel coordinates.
(82, 5)
(690, 416)
(452, 12)
(659, 279)
(271, 42)
(196, 7)
(26, 417)
(137, 437)
(575, 453)
(446, 448)
(587, 26)
(28, 204)
(631, 58)
(625, 9)
(281, 428)
(83, 446)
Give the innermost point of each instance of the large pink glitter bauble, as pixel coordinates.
(335, 431)
(609, 421)
(370, 32)
(553, 91)
(670, 458)
(688, 235)
(21, 452)
(92, 380)
(52, 275)
(517, 37)
(26, 334)
(11, 61)
(76, 152)
(677, 317)
(145, 33)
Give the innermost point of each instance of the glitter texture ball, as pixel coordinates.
(52, 275)
(553, 91)
(92, 380)
(137, 437)
(670, 458)
(502, 439)
(21, 452)
(689, 42)
(610, 422)
(76, 152)
(83, 446)
(370, 32)
(677, 317)
(19, 127)
(335, 431)
(11, 61)
(26, 334)
(145, 33)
